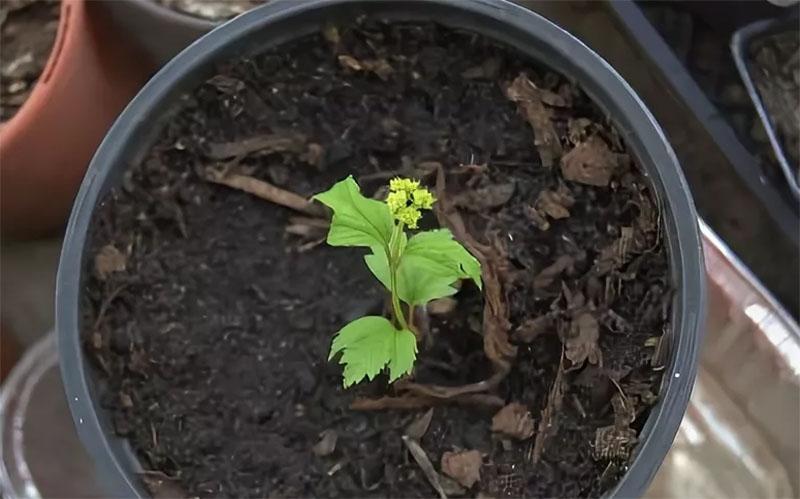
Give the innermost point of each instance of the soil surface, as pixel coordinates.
(777, 75)
(208, 312)
(212, 10)
(27, 32)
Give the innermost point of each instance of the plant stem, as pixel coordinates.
(393, 257)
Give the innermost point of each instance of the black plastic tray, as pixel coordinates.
(782, 207)
(740, 42)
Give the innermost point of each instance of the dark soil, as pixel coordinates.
(27, 32)
(212, 10)
(210, 324)
(776, 61)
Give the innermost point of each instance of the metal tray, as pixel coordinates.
(740, 42)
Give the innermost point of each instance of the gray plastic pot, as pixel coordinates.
(282, 21)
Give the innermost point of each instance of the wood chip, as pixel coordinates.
(326, 444)
(515, 421)
(292, 142)
(590, 162)
(529, 100)
(109, 260)
(463, 466)
(265, 191)
(485, 198)
(549, 274)
(417, 428)
(532, 328)
(419, 455)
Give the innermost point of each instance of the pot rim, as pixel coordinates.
(501, 20)
(64, 44)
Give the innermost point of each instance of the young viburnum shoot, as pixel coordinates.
(415, 270)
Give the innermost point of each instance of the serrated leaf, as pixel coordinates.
(420, 282)
(443, 254)
(403, 355)
(430, 263)
(357, 220)
(370, 343)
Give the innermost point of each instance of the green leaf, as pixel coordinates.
(357, 220)
(418, 282)
(378, 261)
(430, 263)
(370, 343)
(442, 254)
(403, 355)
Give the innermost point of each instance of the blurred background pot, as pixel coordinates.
(90, 75)
(139, 19)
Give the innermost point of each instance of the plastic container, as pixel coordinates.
(740, 44)
(505, 22)
(45, 148)
(40, 456)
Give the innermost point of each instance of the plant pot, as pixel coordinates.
(139, 19)
(279, 22)
(90, 75)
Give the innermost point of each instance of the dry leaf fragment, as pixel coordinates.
(617, 253)
(378, 66)
(532, 328)
(514, 420)
(109, 260)
(484, 198)
(326, 444)
(549, 274)
(538, 219)
(578, 129)
(590, 162)
(555, 204)
(464, 466)
(613, 442)
(529, 100)
(581, 342)
(161, 486)
(488, 69)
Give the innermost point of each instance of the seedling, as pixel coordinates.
(415, 270)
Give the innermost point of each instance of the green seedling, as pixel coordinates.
(414, 269)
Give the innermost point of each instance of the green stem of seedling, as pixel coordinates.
(394, 257)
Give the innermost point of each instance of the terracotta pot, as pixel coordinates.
(45, 148)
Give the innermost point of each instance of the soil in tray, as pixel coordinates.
(211, 10)
(27, 32)
(776, 62)
(209, 312)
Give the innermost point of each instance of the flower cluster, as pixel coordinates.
(406, 198)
